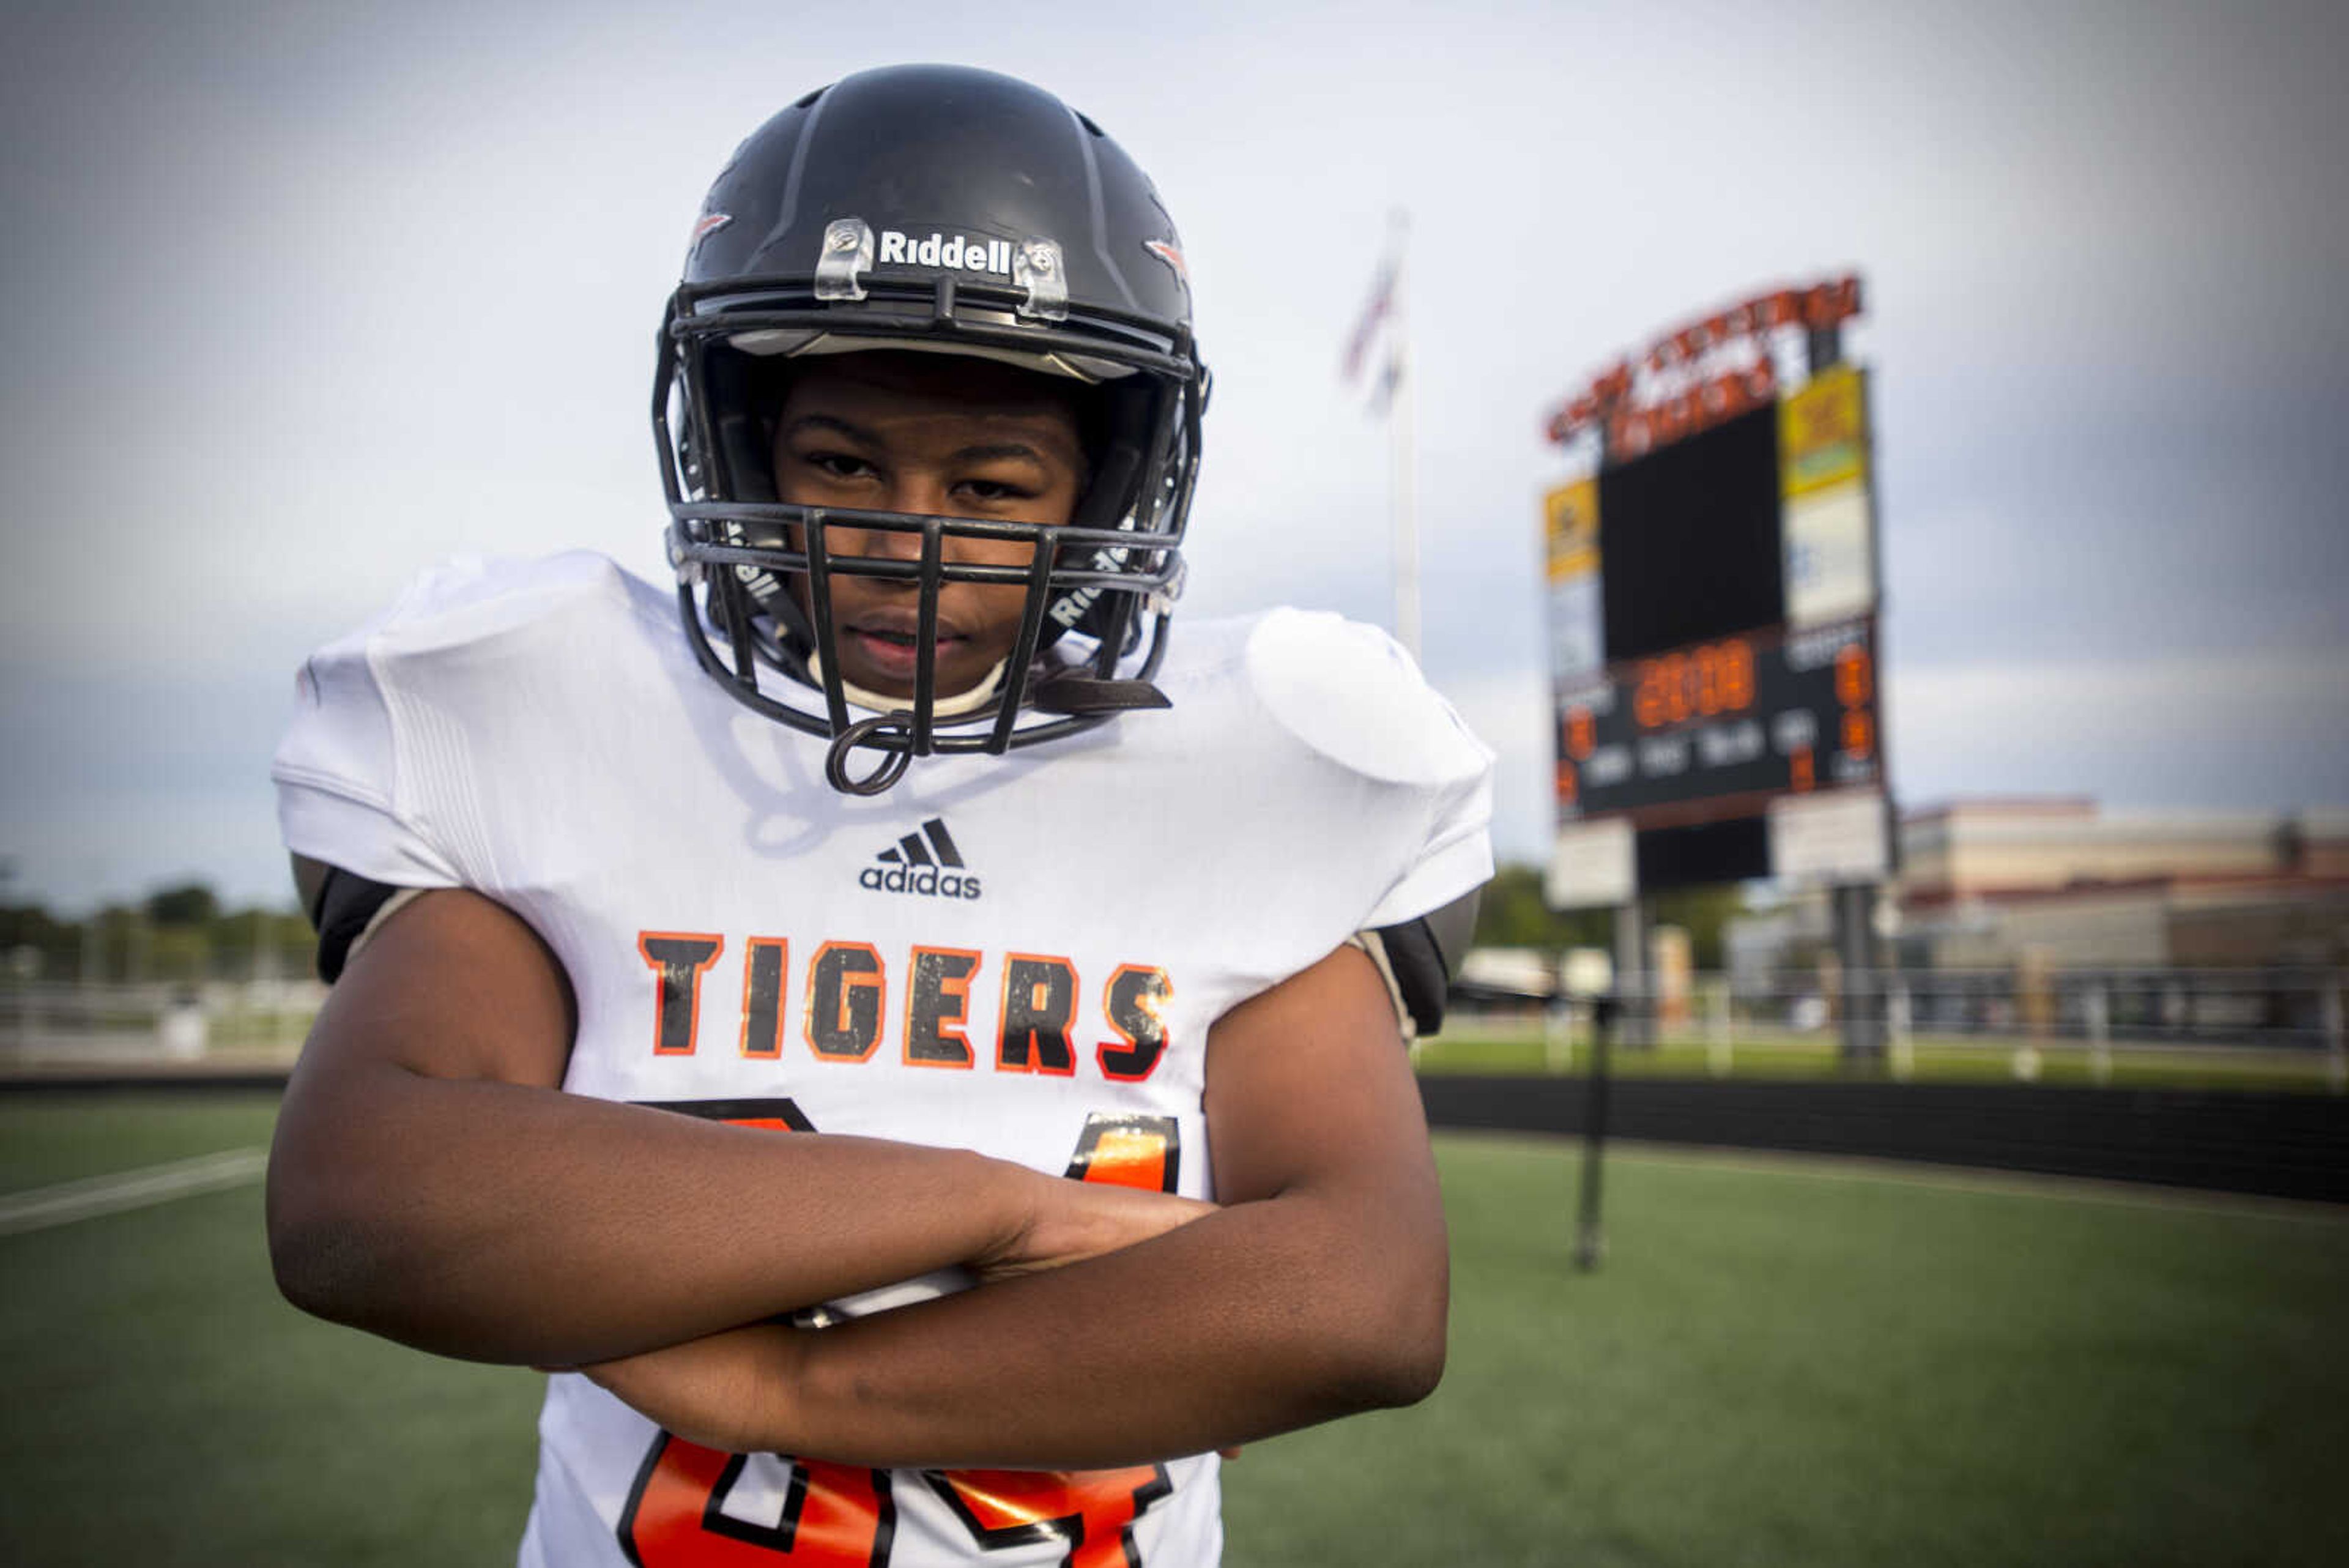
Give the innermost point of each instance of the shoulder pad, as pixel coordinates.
(1352, 693)
(341, 904)
(467, 597)
(1419, 958)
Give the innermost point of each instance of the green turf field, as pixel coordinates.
(1780, 1362)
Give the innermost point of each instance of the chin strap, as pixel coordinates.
(888, 727)
(1073, 691)
(953, 707)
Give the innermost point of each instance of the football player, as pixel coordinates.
(916, 1047)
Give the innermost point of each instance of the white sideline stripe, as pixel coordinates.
(1803, 1164)
(70, 1201)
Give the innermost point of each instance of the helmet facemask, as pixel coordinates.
(755, 575)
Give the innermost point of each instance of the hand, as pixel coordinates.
(1069, 1221)
(728, 1391)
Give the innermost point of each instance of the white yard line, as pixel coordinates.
(70, 1201)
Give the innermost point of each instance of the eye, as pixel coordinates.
(837, 464)
(994, 490)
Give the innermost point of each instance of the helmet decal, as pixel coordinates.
(1172, 254)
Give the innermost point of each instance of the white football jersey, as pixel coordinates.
(1019, 955)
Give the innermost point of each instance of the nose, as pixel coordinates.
(890, 544)
(874, 544)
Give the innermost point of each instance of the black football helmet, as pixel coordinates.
(940, 209)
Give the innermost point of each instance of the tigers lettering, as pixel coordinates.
(1039, 1002)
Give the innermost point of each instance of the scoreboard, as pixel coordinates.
(1715, 729)
(1713, 614)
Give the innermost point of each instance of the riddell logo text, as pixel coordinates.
(929, 879)
(950, 251)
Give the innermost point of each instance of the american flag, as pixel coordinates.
(1374, 311)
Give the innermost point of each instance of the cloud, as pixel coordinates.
(2266, 730)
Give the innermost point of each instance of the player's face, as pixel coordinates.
(939, 436)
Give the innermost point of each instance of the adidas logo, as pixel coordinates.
(927, 862)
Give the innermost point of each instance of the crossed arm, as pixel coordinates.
(430, 1182)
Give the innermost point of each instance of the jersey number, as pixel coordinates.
(844, 1516)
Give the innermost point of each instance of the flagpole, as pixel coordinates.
(1400, 398)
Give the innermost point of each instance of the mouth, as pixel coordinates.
(892, 645)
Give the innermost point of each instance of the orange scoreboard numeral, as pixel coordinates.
(1648, 697)
(1700, 683)
(1859, 734)
(1853, 676)
(1680, 687)
(1737, 674)
(1581, 733)
(1708, 680)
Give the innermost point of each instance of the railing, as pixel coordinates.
(67, 1026)
(2250, 1023)
(2288, 1023)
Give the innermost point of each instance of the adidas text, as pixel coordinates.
(952, 252)
(929, 879)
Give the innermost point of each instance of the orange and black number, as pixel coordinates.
(844, 1516)
(834, 1516)
(1089, 1514)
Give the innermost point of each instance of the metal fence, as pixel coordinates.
(2290, 1018)
(2272, 1009)
(2293, 1018)
(67, 1026)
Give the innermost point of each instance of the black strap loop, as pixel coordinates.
(890, 735)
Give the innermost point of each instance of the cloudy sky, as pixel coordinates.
(299, 298)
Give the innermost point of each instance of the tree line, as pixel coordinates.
(1513, 915)
(181, 933)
